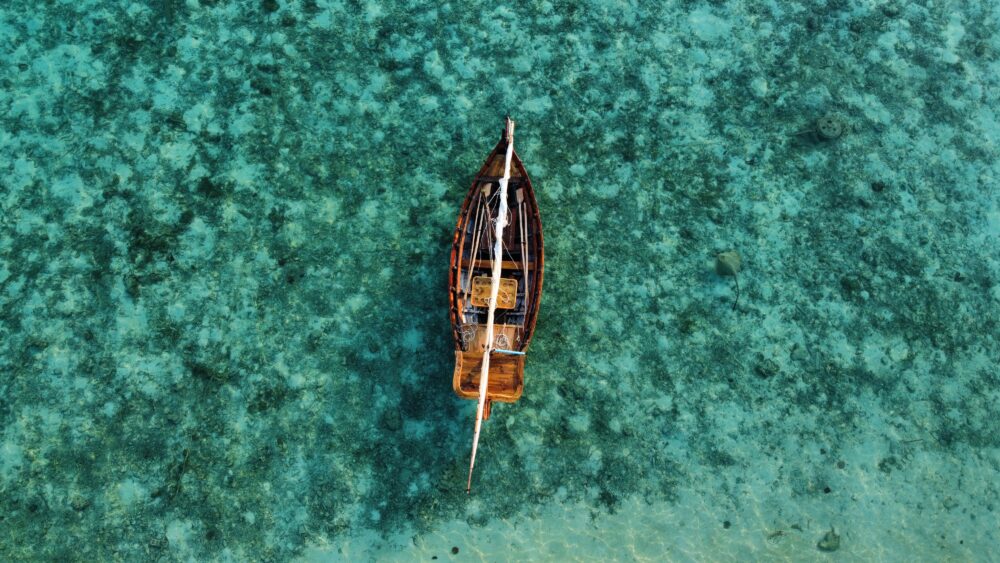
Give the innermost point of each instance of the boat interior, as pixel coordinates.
(516, 292)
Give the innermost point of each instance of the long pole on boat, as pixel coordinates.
(501, 222)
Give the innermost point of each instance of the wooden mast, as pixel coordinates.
(497, 257)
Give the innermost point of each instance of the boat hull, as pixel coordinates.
(522, 274)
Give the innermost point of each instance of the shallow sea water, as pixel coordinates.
(224, 241)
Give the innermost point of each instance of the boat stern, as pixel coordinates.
(506, 381)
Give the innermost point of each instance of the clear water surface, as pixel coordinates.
(224, 238)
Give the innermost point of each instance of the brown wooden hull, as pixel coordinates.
(523, 262)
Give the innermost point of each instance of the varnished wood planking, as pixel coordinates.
(506, 371)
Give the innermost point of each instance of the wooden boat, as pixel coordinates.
(495, 282)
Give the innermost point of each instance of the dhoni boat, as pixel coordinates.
(495, 282)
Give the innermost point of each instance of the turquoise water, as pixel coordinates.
(224, 241)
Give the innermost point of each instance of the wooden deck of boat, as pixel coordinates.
(506, 371)
(506, 376)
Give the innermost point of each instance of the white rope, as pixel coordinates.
(502, 340)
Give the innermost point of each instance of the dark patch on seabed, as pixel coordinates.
(224, 234)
